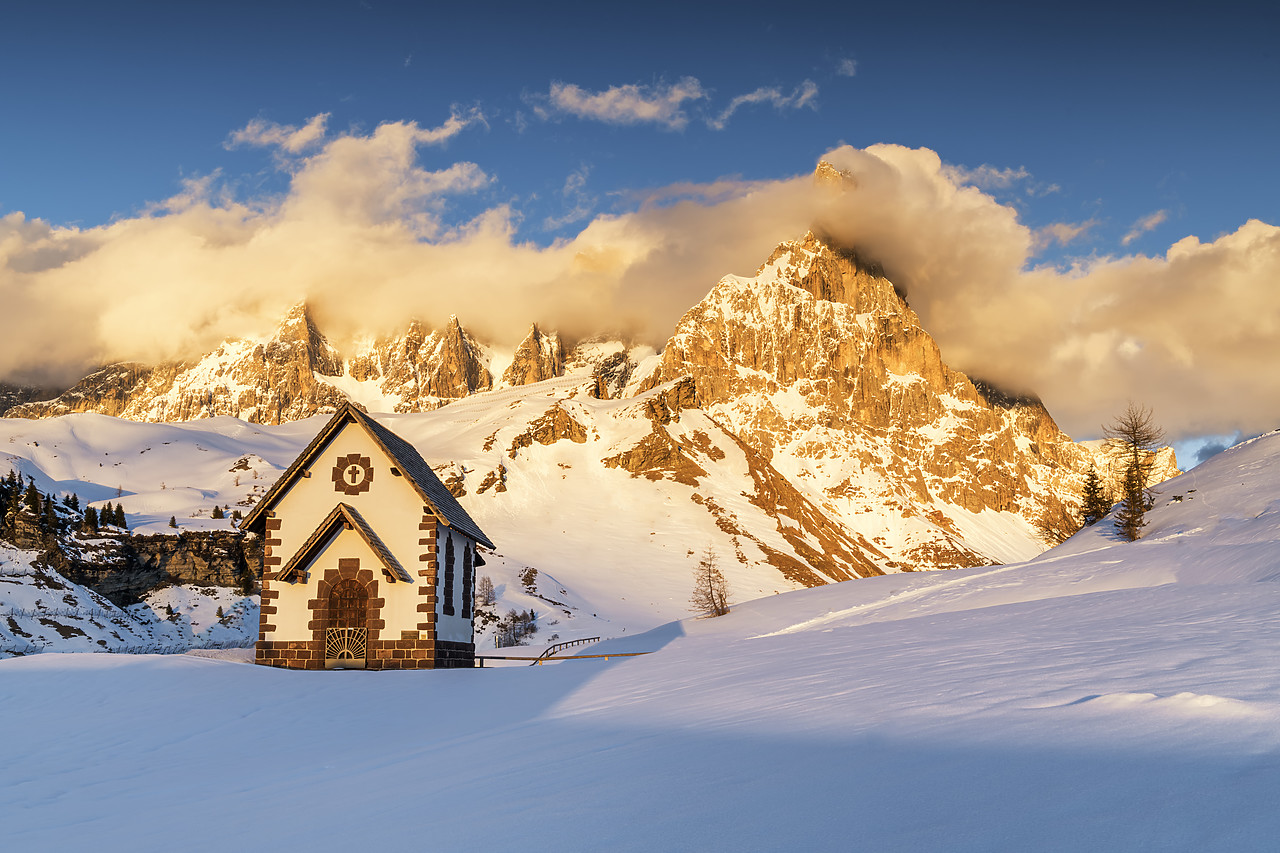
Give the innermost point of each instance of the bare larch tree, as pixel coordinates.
(1132, 441)
(710, 592)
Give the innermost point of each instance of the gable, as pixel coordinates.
(404, 458)
(343, 518)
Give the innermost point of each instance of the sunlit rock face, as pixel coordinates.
(818, 364)
(866, 451)
(540, 356)
(296, 373)
(422, 370)
(280, 379)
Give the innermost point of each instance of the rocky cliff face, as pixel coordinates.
(294, 374)
(15, 394)
(540, 356)
(107, 391)
(610, 362)
(277, 380)
(818, 364)
(424, 369)
(123, 567)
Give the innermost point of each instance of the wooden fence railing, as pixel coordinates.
(551, 651)
(565, 644)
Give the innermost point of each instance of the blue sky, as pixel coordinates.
(1125, 111)
(552, 140)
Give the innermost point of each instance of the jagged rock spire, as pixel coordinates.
(540, 356)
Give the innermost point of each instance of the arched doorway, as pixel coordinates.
(346, 638)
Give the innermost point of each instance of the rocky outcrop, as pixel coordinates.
(610, 361)
(610, 376)
(273, 381)
(424, 369)
(107, 391)
(16, 394)
(540, 356)
(555, 425)
(123, 568)
(818, 364)
(660, 455)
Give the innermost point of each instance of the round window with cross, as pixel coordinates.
(353, 474)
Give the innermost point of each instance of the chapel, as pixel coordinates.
(368, 561)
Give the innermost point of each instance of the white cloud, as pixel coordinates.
(804, 95)
(1062, 233)
(846, 67)
(287, 137)
(667, 106)
(1191, 334)
(1147, 223)
(660, 104)
(363, 233)
(579, 202)
(987, 177)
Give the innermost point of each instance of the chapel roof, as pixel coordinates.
(402, 454)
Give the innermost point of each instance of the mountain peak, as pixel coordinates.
(298, 340)
(833, 275)
(827, 175)
(819, 361)
(540, 356)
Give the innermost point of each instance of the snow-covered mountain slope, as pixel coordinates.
(612, 501)
(821, 366)
(1107, 696)
(40, 610)
(815, 369)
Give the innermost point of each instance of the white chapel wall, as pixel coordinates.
(391, 507)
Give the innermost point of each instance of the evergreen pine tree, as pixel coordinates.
(90, 519)
(107, 515)
(173, 521)
(1096, 504)
(217, 512)
(121, 521)
(32, 497)
(1130, 518)
(246, 581)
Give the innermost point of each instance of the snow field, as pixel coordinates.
(1106, 696)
